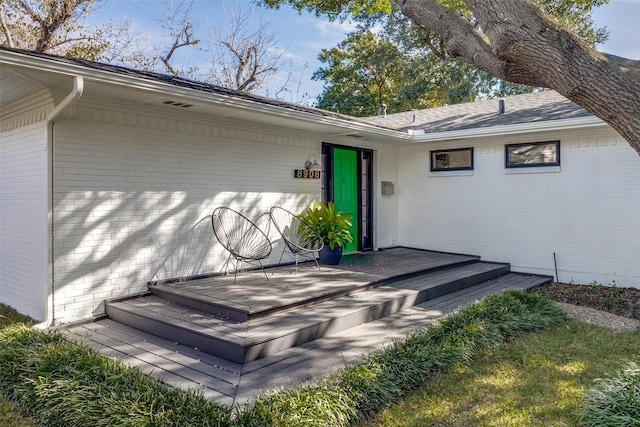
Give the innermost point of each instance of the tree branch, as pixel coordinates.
(5, 27)
(608, 86)
(518, 43)
(463, 39)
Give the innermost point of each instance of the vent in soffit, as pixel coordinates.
(178, 104)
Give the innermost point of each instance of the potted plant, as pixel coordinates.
(333, 227)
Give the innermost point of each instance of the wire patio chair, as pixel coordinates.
(244, 240)
(297, 243)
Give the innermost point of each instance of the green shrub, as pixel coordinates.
(63, 383)
(386, 376)
(614, 400)
(319, 403)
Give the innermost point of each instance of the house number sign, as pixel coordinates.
(306, 173)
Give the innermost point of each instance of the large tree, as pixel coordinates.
(365, 71)
(386, 61)
(57, 27)
(518, 41)
(247, 56)
(361, 73)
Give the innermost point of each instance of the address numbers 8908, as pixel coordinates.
(306, 173)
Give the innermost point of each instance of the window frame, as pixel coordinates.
(433, 167)
(509, 165)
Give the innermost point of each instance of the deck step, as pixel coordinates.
(246, 341)
(228, 382)
(344, 282)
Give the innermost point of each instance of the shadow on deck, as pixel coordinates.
(232, 340)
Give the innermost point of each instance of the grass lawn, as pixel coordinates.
(536, 380)
(8, 416)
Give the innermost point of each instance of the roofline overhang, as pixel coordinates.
(586, 122)
(161, 88)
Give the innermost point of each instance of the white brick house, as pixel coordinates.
(108, 176)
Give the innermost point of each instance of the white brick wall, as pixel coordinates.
(386, 216)
(585, 211)
(133, 195)
(133, 192)
(23, 219)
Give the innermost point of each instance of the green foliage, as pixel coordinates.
(576, 16)
(395, 68)
(312, 404)
(614, 400)
(537, 380)
(386, 376)
(323, 219)
(391, 60)
(335, 9)
(66, 383)
(8, 316)
(55, 26)
(362, 72)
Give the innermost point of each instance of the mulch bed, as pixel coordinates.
(612, 299)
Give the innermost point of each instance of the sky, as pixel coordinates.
(302, 36)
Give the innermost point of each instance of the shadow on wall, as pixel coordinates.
(188, 256)
(112, 243)
(198, 252)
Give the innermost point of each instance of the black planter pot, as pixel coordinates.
(330, 256)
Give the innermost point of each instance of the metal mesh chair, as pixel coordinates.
(297, 243)
(244, 240)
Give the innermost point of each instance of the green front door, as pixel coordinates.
(345, 189)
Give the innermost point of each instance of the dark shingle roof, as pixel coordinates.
(533, 107)
(179, 82)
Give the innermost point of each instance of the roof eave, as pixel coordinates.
(212, 98)
(586, 122)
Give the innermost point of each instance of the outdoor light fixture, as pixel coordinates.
(315, 166)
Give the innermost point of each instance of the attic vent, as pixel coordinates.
(178, 104)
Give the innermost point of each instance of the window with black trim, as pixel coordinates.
(534, 154)
(452, 160)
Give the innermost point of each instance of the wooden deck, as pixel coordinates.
(253, 295)
(363, 276)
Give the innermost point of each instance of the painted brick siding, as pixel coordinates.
(585, 211)
(386, 206)
(23, 219)
(133, 197)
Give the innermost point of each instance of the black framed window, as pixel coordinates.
(452, 160)
(534, 154)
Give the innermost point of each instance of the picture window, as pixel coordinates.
(533, 154)
(452, 160)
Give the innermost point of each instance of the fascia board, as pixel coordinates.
(515, 129)
(161, 88)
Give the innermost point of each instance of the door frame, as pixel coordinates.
(365, 189)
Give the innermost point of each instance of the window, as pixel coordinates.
(532, 154)
(452, 160)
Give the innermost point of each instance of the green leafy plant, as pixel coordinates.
(331, 225)
(613, 401)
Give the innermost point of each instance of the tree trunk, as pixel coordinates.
(520, 45)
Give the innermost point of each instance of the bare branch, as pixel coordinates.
(5, 27)
(246, 58)
(181, 30)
